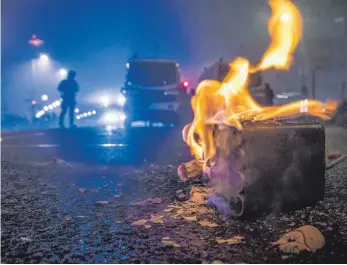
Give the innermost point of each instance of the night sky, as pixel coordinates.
(96, 37)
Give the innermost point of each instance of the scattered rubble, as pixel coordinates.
(140, 222)
(100, 203)
(230, 241)
(333, 154)
(167, 242)
(207, 223)
(303, 238)
(148, 202)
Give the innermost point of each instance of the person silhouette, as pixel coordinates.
(269, 95)
(68, 89)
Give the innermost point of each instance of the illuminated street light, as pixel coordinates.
(93, 112)
(77, 110)
(44, 97)
(63, 72)
(89, 113)
(44, 57)
(40, 113)
(45, 108)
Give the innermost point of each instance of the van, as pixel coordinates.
(152, 89)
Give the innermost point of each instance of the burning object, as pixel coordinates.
(252, 161)
(269, 166)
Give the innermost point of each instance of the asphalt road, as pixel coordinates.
(75, 196)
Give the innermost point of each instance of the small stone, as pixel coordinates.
(140, 222)
(157, 219)
(165, 241)
(101, 203)
(156, 200)
(26, 239)
(207, 223)
(333, 155)
(190, 218)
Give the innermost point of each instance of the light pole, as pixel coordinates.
(36, 43)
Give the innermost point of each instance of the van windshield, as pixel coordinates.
(146, 73)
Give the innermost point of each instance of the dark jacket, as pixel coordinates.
(68, 89)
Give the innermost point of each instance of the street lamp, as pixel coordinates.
(44, 97)
(63, 72)
(44, 57)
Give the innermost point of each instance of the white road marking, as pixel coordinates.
(59, 145)
(21, 136)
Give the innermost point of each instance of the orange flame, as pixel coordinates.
(230, 103)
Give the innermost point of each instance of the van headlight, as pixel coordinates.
(113, 117)
(121, 100)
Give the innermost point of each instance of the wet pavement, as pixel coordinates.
(88, 196)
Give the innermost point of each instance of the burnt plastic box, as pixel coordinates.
(282, 165)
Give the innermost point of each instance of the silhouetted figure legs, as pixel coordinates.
(64, 108)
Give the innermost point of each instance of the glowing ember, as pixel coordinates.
(230, 103)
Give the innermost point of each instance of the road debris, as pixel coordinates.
(147, 202)
(198, 195)
(140, 222)
(333, 154)
(334, 162)
(157, 219)
(25, 239)
(217, 261)
(167, 242)
(190, 218)
(101, 203)
(303, 238)
(207, 223)
(230, 241)
(118, 196)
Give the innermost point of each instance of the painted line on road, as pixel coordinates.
(21, 136)
(59, 145)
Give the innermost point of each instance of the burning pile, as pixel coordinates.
(229, 104)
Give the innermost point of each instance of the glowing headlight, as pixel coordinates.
(121, 100)
(111, 117)
(105, 101)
